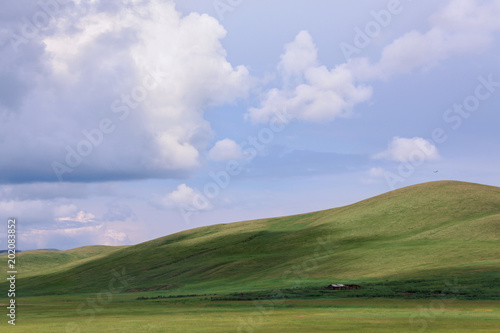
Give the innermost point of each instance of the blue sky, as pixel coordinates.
(123, 121)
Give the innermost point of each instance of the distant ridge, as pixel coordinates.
(2, 252)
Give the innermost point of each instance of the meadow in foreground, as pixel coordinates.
(127, 314)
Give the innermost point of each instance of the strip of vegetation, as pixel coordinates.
(464, 288)
(173, 296)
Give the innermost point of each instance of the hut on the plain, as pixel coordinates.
(342, 286)
(336, 287)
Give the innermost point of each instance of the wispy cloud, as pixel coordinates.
(462, 26)
(81, 217)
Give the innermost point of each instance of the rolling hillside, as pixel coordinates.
(432, 230)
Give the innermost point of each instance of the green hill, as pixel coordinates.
(432, 231)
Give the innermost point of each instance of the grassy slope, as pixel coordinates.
(434, 229)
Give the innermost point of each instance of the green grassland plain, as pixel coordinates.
(124, 313)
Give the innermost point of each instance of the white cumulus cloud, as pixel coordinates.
(225, 150)
(144, 69)
(299, 55)
(409, 149)
(310, 92)
(183, 197)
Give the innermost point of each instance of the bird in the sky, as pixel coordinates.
(436, 171)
